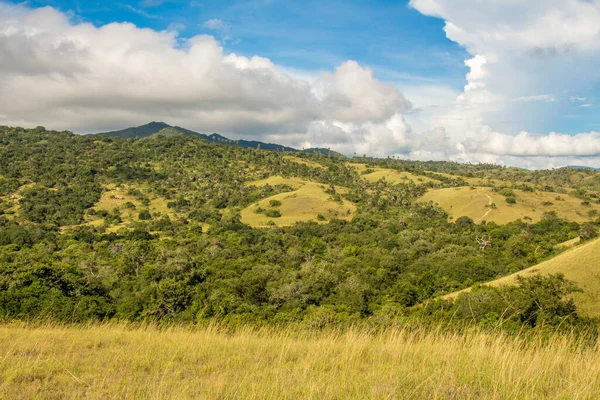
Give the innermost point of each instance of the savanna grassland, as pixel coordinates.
(117, 361)
(289, 274)
(580, 265)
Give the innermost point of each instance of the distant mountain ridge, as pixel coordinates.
(582, 167)
(162, 128)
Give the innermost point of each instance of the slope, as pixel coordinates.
(485, 204)
(307, 202)
(580, 264)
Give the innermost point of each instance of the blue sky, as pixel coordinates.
(398, 42)
(513, 83)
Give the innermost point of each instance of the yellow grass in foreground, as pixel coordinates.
(107, 362)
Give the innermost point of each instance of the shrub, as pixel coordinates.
(587, 232)
(511, 200)
(273, 213)
(507, 192)
(144, 215)
(274, 203)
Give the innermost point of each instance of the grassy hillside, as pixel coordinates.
(580, 264)
(162, 229)
(374, 174)
(476, 204)
(309, 201)
(100, 362)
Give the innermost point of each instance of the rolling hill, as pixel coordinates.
(580, 264)
(163, 228)
(485, 204)
(307, 202)
(374, 174)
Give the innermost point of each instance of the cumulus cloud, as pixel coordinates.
(526, 57)
(85, 78)
(519, 48)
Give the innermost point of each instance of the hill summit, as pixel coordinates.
(162, 128)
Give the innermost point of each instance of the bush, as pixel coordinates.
(144, 215)
(273, 213)
(588, 232)
(464, 221)
(511, 200)
(507, 192)
(274, 203)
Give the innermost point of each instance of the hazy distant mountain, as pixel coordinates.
(582, 167)
(162, 128)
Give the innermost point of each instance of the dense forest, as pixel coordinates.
(62, 257)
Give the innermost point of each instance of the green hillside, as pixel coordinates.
(175, 228)
(580, 264)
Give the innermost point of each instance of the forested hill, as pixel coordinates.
(161, 128)
(173, 227)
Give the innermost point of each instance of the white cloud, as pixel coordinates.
(546, 98)
(65, 75)
(76, 76)
(519, 48)
(222, 28)
(587, 105)
(216, 24)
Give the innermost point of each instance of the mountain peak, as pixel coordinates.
(155, 127)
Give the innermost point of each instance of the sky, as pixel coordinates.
(513, 82)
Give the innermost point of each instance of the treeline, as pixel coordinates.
(391, 257)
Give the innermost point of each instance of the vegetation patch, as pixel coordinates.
(305, 203)
(580, 265)
(375, 174)
(308, 163)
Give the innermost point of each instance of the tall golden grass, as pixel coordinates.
(119, 361)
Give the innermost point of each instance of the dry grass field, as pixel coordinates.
(475, 203)
(117, 197)
(308, 163)
(112, 361)
(390, 175)
(580, 264)
(305, 203)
